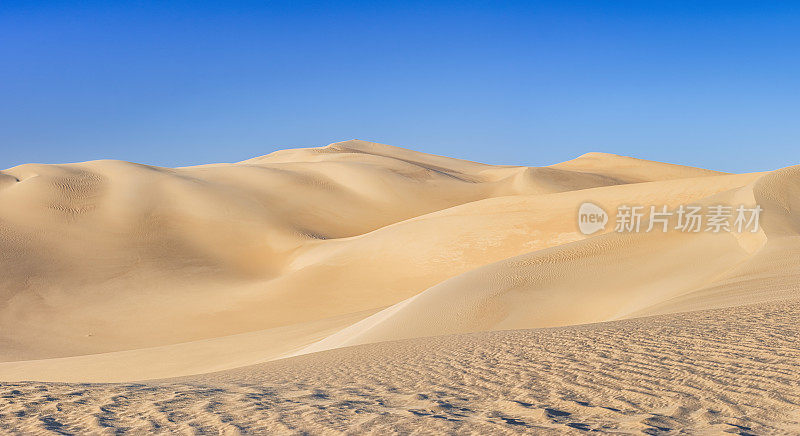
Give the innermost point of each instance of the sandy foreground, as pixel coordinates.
(360, 287)
(724, 370)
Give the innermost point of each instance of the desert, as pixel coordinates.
(365, 288)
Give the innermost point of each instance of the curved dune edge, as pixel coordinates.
(117, 272)
(614, 276)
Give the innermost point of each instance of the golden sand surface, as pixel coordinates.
(360, 287)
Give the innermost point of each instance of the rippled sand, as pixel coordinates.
(731, 370)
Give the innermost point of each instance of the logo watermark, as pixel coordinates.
(685, 218)
(591, 218)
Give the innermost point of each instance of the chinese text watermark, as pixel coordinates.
(684, 218)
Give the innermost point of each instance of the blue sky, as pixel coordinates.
(710, 84)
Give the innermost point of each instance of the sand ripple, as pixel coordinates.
(729, 370)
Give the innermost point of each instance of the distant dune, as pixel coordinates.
(472, 295)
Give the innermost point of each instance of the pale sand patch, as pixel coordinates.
(187, 358)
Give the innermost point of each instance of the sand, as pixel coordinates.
(724, 370)
(362, 287)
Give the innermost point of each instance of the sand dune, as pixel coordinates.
(78, 240)
(117, 272)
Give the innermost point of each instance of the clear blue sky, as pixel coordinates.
(710, 84)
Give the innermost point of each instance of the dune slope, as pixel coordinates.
(107, 256)
(113, 271)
